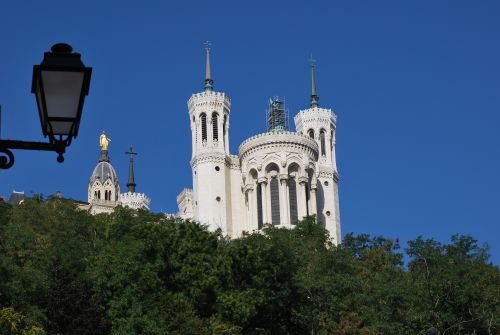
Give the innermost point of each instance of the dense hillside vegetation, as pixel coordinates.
(63, 271)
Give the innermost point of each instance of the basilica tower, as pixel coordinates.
(210, 160)
(320, 124)
(104, 189)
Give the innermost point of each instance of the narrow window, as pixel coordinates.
(195, 131)
(224, 130)
(292, 190)
(99, 194)
(215, 126)
(275, 202)
(322, 140)
(311, 133)
(331, 141)
(259, 206)
(203, 118)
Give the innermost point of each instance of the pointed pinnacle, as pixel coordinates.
(314, 96)
(208, 75)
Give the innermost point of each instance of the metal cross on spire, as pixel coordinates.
(131, 181)
(314, 96)
(208, 75)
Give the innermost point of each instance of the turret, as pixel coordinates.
(209, 119)
(320, 124)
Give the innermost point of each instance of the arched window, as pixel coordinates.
(293, 173)
(260, 221)
(275, 201)
(292, 190)
(322, 141)
(99, 194)
(331, 140)
(310, 132)
(106, 195)
(203, 118)
(215, 126)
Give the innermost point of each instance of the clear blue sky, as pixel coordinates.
(415, 85)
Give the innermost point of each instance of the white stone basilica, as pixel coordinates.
(278, 177)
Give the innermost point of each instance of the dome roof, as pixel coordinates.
(104, 171)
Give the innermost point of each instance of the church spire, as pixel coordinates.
(209, 83)
(314, 96)
(131, 181)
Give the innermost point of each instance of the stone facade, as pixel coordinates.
(277, 177)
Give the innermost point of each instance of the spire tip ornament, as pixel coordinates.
(209, 83)
(314, 96)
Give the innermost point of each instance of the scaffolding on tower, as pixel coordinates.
(277, 115)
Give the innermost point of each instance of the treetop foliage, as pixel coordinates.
(63, 271)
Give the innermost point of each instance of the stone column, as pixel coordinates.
(334, 157)
(301, 197)
(284, 202)
(251, 206)
(328, 149)
(313, 210)
(226, 131)
(263, 187)
(210, 138)
(220, 129)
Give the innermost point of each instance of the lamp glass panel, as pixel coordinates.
(61, 127)
(62, 94)
(39, 101)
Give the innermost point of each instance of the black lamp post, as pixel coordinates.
(60, 84)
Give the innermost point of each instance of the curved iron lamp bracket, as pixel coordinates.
(7, 157)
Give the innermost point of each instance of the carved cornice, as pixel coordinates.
(279, 141)
(317, 112)
(209, 101)
(208, 157)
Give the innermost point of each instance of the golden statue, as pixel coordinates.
(104, 141)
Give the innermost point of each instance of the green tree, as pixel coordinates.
(453, 287)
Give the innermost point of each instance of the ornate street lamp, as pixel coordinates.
(60, 84)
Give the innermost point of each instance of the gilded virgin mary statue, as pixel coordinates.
(104, 141)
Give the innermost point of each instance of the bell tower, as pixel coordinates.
(209, 120)
(320, 124)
